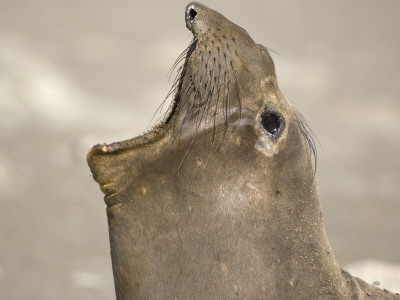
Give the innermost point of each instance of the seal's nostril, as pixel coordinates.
(191, 13)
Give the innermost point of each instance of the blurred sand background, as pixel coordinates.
(76, 73)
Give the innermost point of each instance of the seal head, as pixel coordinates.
(220, 200)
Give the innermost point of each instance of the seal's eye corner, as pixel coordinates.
(271, 122)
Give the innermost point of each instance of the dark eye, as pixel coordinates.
(271, 122)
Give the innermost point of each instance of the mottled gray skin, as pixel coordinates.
(209, 205)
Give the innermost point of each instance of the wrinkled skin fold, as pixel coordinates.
(212, 205)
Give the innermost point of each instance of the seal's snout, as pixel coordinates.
(190, 15)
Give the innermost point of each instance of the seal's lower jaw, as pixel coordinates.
(112, 163)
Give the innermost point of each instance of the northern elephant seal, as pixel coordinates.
(220, 200)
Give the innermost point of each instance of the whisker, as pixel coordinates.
(309, 135)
